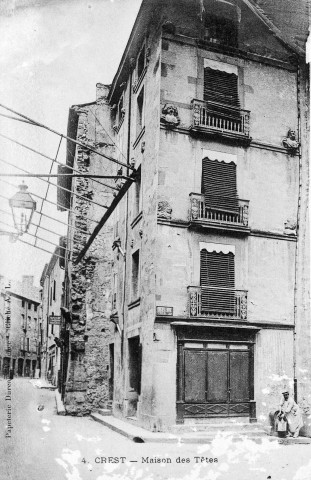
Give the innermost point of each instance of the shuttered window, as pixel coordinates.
(221, 87)
(217, 279)
(219, 185)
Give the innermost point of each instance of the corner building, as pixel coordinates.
(200, 312)
(207, 295)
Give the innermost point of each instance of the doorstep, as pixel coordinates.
(141, 435)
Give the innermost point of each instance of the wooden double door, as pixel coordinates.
(216, 379)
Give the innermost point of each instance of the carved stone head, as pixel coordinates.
(170, 116)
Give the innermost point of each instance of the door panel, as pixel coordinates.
(217, 376)
(195, 376)
(215, 381)
(239, 377)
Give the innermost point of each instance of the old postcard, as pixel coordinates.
(154, 256)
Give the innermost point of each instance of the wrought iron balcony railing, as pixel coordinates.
(200, 211)
(215, 118)
(214, 302)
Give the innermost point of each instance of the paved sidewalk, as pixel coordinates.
(140, 435)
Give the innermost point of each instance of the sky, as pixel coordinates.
(52, 54)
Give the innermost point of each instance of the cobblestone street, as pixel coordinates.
(44, 446)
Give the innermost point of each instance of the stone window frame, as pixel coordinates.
(137, 198)
(140, 115)
(135, 282)
(120, 113)
(140, 70)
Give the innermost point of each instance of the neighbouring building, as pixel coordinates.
(20, 313)
(205, 300)
(87, 285)
(51, 281)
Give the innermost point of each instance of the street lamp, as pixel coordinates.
(23, 207)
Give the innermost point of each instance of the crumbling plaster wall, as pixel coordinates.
(90, 280)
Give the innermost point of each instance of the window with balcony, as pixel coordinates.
(217, 297)
(217, 279)
(219, 112)
(218, 205)
(219, 186)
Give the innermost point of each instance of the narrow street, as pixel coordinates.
(44, 446)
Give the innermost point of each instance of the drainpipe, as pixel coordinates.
(298, 222)
(128, 154)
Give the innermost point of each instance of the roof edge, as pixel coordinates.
(274, 29)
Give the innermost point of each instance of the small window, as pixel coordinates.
(22, 343)
(54, 290)
(29, 306)
(135, 275)
(35, 308)
(137, 194)
(121, 111)
(141, 62)
(140, 112)
(23, 303)
(221, 23)
(23, 321)
(27, 343)
(114, 296)
(29, 322)
(51, 295)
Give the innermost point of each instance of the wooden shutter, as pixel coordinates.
(218, 282)
(219, 185)
(221, 87)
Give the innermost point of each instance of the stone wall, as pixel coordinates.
(89, 282)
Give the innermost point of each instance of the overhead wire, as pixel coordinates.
(49, 183)
(39, 248)
(53, 184)
(50, 158)
(77, 142)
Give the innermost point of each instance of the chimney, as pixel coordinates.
(101, 91)
(27, 281)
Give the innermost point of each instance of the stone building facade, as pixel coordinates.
(208, 283)
(51, 281)
(87, 294)
(20, 311)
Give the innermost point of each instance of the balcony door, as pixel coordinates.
(221, 91)
(216, 379)
(219, 186)
(217, 279)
